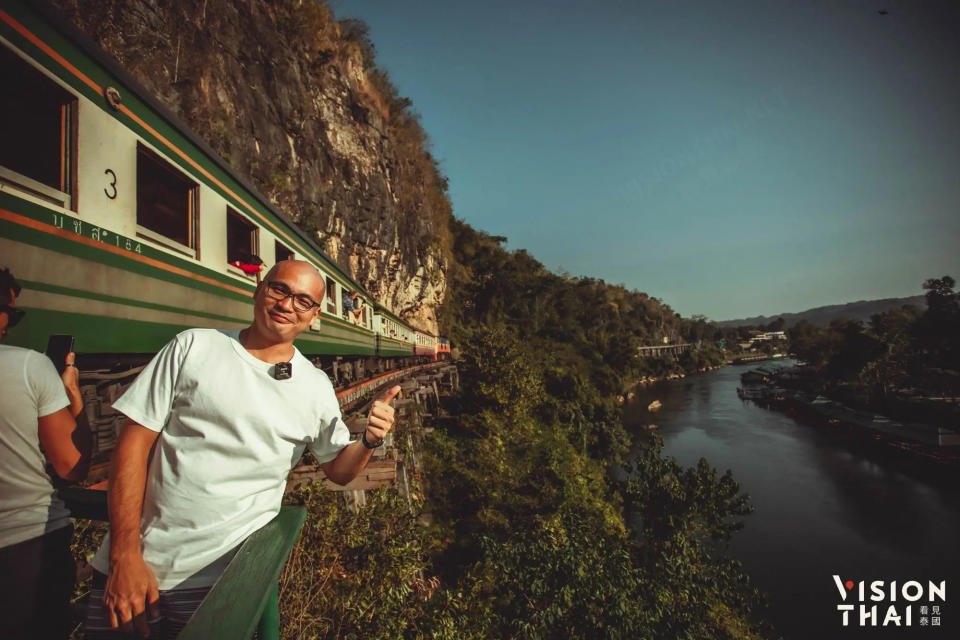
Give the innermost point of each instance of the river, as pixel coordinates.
(824, 506)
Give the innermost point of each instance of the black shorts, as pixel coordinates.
(36, 584)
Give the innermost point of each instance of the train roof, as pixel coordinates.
(87, 46)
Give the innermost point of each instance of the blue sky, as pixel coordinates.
(730, 158)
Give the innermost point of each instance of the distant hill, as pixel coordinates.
(822, 316)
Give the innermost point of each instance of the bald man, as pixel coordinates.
(226, 414)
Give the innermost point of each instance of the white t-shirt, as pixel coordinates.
(29, 389)
(229, 435)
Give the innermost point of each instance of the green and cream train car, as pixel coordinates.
(394, 337)
(119, 221)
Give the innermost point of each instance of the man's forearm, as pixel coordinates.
(128, 477)
(348, 464)
(353, 458)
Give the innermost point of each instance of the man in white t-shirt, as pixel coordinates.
(227, 414)
(38, 415)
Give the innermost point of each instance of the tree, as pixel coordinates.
(686, 518)
(810, 344)
(893, 329)
(777, 325)
(940, 295)
(938, 331)
(853, 349)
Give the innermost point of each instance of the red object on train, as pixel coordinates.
(248, 269)
(247, 262)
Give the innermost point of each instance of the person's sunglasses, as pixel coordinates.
(14, 315)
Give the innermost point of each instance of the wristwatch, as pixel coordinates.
(363, 438)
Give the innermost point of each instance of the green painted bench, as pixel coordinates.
(246, 596)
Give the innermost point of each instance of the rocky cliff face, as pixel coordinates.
(290, 98)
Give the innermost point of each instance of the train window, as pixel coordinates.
(281, 253)
(38, 130)
(166, 201)
(241, 238)
(331, 296)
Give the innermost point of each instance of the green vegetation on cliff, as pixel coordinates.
(569, 319)
(520, 483)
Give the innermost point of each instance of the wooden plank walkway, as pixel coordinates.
(380, 472)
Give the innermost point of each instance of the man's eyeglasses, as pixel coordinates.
(14, 315)
(301, 301)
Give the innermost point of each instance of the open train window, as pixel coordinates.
(166, 203)
(242, 240)
(281, 253)
(331, 295)
(37, 132)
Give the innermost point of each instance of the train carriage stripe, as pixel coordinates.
(91, 295)
(69, 235)
(244, 294)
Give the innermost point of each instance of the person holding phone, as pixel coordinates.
(41, 412)
(217, 420)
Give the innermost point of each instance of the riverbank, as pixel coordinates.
(645, 381)
(925, 443)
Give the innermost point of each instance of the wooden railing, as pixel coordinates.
(246, 595)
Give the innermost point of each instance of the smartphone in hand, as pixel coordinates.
(58, 346)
